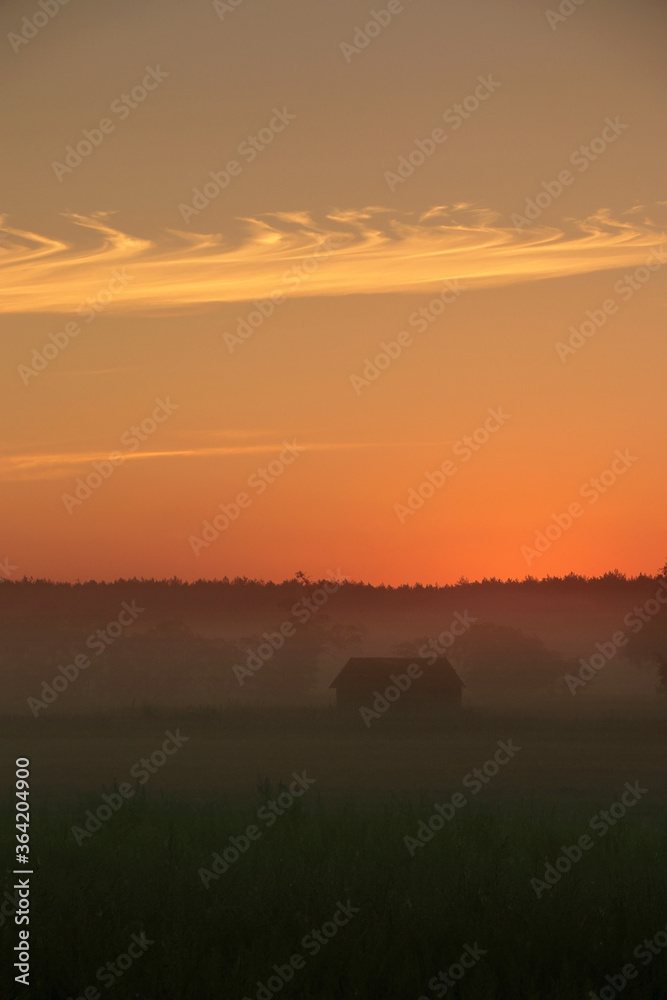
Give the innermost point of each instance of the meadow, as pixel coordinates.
(298, 854)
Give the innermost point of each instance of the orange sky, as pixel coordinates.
(221, 347)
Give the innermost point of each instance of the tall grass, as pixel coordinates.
(470, 884)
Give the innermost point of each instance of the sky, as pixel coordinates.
(372, 291)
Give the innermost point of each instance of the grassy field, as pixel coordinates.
(207, 890)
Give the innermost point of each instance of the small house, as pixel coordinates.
(408, 681)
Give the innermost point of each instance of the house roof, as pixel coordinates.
(376, 669)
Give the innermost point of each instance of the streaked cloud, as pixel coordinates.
(376, 251)
(59, 465)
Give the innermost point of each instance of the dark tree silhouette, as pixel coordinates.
(410, 647)
(503, 658)
(292, 671)
(648, 631)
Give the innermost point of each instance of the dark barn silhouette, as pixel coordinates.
(362, 677)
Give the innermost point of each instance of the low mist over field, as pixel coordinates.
(247, 642)
(491, 772)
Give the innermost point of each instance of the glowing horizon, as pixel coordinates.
(445, 281)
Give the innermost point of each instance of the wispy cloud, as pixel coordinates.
(376, 251)
(60, 465)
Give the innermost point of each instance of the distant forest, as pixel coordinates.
(95, 645)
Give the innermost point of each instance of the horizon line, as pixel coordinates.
(614, 574)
